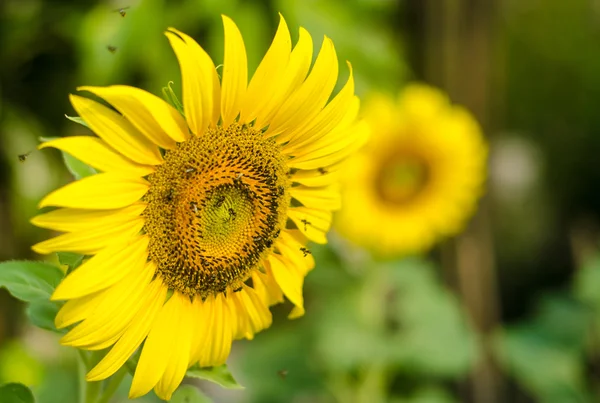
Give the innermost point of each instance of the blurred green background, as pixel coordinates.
(507, 312)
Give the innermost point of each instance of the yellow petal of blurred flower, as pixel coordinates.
(197, 224)
(419, 177)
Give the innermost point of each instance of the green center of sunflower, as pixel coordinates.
(402, 176)
(215, 207)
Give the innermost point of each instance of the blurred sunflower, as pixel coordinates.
(419, 177)
(198, 224)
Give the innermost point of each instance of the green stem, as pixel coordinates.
(113, 385)
(92, 391)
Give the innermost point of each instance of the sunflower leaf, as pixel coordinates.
(72, 260)
(189, 394)
(219, 375)
(42, 314)
(15, 393)
(77, 119)
(77, 168)
(29, 281)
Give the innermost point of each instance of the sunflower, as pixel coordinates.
(198, 222)
(419, 177)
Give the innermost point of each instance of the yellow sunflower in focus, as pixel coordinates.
(198, 223)
(419, 177)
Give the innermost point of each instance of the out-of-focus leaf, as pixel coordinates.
(219, 375)
(433, 334)
(427, 395)
(189, 394)
(587, 283)
(549, 370)
(42, 314)
(29, 281)
(15, 393)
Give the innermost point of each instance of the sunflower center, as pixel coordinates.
(402, 176)
(215, 207)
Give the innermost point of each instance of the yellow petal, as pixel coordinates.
(253, 312)
(332, 116)
(337, 138)
(322, 176)
(266, 287)
(69, 219)
(102, 191)
(198, 75)
(103, 269)
(326, 198)
(160, 346)
(92, 240)
(292, 244)
(180, 356)
(235, 73)
(348, 142)
(153, 117)
(202, 316)
(312, 223)
(218, 334)
(116, 131)
(295, 73)
(289, 280)
(305, 103)
(76, 310)
(268, 78)
(134, 335)
(121, 302)
(95, 152)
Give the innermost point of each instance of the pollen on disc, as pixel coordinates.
(214, 209)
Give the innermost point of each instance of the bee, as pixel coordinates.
(220, 201)
(231, 213)
(305, 251)
(305, 222)
(112, 49)
(122, 11)
(23, 157)
(170, 195)
(194, 207)
(190, 170)
(322, 171)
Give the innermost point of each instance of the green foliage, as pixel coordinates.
(15, 393)
(189, 394)
(29, 281)
(219, 375)
(33, 282)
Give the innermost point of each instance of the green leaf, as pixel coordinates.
(71, 260)
(77, 119)
(219, 375)
(15, 393)
(189, 394)
(29, 281)
(42, 314)
(77, 168)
